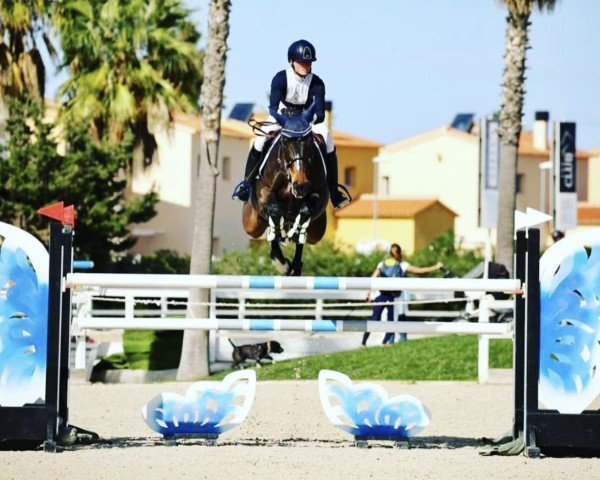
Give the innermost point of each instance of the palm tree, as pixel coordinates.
(194, 354)
(132, 63)
(513, 93)
(22, 25)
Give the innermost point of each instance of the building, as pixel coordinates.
(412, 223)
(444, 164)
(174, 176)
(588, 212)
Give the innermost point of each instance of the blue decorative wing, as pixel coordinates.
(23, 317)
(208, 408)
(364, 409)
(570, 323)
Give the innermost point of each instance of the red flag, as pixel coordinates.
(58, 211)
(54, 211)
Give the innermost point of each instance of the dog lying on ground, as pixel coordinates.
(256, 352)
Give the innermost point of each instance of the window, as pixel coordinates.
(519, 183)
(349, 176)
(385, 185)
(226, 168)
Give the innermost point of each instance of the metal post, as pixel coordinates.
(483, 343)
(66, 238)
(519, 338)
(532, 331)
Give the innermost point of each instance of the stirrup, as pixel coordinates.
(242, 191)
(346, 198)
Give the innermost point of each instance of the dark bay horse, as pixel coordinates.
(290, 195)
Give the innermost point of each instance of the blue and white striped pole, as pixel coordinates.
(75, 280)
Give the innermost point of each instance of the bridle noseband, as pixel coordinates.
(287, 163)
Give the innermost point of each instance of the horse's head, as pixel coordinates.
(296, 149)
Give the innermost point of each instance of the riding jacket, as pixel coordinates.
(289, 90)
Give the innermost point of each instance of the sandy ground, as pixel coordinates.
(286, 435)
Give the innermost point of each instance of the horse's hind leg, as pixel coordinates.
(316, 229)
(253, 224)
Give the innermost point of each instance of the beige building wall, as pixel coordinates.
(360, 161)
(444, 167)
(594, 178)
(353, 231)
(174, 175)
(431, 223)
(229, 233)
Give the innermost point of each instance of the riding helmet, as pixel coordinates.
(302, 51)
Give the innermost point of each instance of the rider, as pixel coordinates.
(296, 88)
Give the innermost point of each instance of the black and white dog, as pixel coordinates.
(256, 352)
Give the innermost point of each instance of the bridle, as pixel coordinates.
(287, 163)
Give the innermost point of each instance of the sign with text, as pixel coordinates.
(489, 171)
(565, 176)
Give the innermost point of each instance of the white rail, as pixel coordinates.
(348, 320)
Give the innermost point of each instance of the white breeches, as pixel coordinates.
(319, 128)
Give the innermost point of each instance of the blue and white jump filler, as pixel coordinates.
(365, 411)
(207, 410)
(570, 323)
(23, 317)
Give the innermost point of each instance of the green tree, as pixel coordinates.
(132, 63)
(194, 353)
(89, 175)
(511, 114)
(22, 24)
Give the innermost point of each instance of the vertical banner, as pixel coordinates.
(489, 168)
(565, 176)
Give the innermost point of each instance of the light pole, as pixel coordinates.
(544, 167)
(376, 161)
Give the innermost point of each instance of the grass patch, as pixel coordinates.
(146, 350)
(450, 357)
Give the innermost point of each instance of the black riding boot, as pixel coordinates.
(243, 190)
(337, 198)
(252, 162)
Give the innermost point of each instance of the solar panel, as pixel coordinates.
(242, 111)
(463, 121)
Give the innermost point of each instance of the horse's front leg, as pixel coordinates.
(278, 259)
(300, 226)
(301, 223)
(276, 219)
(275, 234)
(296, 265)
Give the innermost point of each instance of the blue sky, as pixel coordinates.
(395, 68)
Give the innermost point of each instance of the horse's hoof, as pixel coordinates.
(282, 268)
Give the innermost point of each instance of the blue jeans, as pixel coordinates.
(388, 299)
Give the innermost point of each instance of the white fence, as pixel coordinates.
(232, 311)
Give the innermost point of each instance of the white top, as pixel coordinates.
(297, 87)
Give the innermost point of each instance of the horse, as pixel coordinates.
(290, 195)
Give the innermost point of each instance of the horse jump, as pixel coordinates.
(542, 430)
